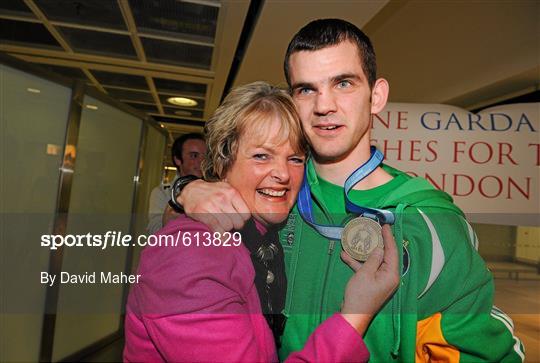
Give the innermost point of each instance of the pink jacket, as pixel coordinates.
(200, 304)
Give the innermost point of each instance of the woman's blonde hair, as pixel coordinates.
(249, 108)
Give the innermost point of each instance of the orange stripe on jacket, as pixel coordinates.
(430, 343)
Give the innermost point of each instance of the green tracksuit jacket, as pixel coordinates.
(443, 309)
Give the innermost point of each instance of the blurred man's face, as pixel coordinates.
(193, 152)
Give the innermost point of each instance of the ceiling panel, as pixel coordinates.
(97, 42)
(68, 72)
(173, 18)
(120, 79)
(15, 7)
(178, 112)
(172, 86)
(142, 107)
(182, 54)
(101, 13)
(183, 112)
(27, 33)
(129, 95)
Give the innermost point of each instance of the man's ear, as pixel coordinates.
(177, 162)
(379, 95)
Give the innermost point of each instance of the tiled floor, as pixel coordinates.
(521, 300)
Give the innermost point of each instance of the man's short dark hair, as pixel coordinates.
(178, 144)
(323, 33)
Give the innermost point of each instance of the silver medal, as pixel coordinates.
(360, 237)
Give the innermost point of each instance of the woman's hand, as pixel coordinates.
(372, 284)
(218, 205)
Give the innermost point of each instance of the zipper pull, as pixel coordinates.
(331, 246)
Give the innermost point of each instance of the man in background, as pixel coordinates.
(187, 153)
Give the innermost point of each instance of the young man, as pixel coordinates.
(187, 153)
(443, 309)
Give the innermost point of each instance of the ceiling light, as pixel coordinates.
(33, 90)
(182, 101)
(170, 168)
(182, 113)
(92, 107)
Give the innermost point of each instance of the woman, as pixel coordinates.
(203, 300)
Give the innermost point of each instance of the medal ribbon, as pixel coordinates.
(334, 232)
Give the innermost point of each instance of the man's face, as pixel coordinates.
(193, 152)
(333, 99)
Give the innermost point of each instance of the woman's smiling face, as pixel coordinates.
(267, 172)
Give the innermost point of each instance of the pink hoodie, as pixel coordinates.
(200, 304)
